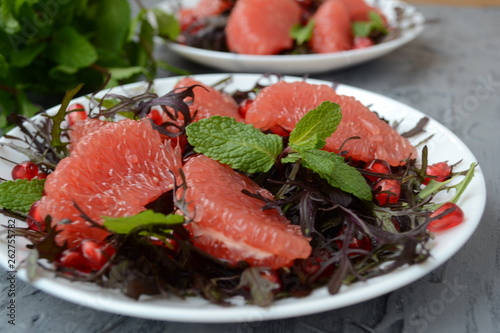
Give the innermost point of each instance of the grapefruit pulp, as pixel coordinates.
(261, 27)
(284, 104)
(114, 169)
(231, 225)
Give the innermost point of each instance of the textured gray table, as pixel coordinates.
(438, 74)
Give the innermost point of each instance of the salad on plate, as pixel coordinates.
(264, 194)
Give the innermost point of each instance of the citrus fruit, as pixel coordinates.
(115, 169)
(332, 30)
(208, 101)
(284, 104)
(261, 26)
(204, 8)
(359, 10)
(231, 225)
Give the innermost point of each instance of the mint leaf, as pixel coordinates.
(333, 169)
(302, 34)
(123, 225)
(317, 125)
(20, 194)
(168, 26)
(70, 48)
(373, 27)
(239, 145)
(112, 24)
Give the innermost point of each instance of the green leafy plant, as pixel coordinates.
(50, 46)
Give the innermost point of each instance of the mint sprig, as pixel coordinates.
(302, 33)
(372, 27)
(239, 145)
(248, 149)
(20, 194)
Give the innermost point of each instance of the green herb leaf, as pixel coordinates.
(168, 25)
(20, 194)
(112, 24)
(302, 34)
(239, 145)
(124, 225)
(374, 26)
(317, 125)
(339, 174)
(70, 48)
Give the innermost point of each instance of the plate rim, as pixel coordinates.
(280, 310)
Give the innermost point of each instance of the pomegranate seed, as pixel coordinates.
(25, 170)
(74, 259)
(362, 42)
(276, 129)
(96, 253)
(76, 116)
(155, 116)
(35, 220)
(361, 242)
(454, 217)
(244, 106)
(390, 190)
(273, 277)
(41, 175)
(377, 166)
(439, 172)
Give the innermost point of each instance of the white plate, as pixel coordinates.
(443, 146)
(411, 25)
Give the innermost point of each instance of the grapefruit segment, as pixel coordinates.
(204, 8)
(261, 27)
(231, 225)
(359, 10)
(208, 101)
(332, 30)
(284, 104)
(114, 169)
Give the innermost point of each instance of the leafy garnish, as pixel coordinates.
(19, 194)
(375, 26)
(240, 145)
(124, 225)
(302, 33)
(317, 125)
(333, 168)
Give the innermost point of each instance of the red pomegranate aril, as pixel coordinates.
(25, 170)
(440, 171)
(96, 253)
(76, 116)
(35, 220)
(387, 191)
(75, 260)
(362, 42)
(155, 116)
(377, 166)
(453, 218)
(244, 106)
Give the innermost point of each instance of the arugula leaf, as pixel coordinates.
(124, 225)
(20, 194)
(58, 118)
(302, 34)
(317, 125)
(374, 26)
(239, 145)
(339, 174)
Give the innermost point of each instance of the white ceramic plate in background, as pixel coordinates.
(410, 25)
(443, 146)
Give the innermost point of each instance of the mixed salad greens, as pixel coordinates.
(357, 229)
